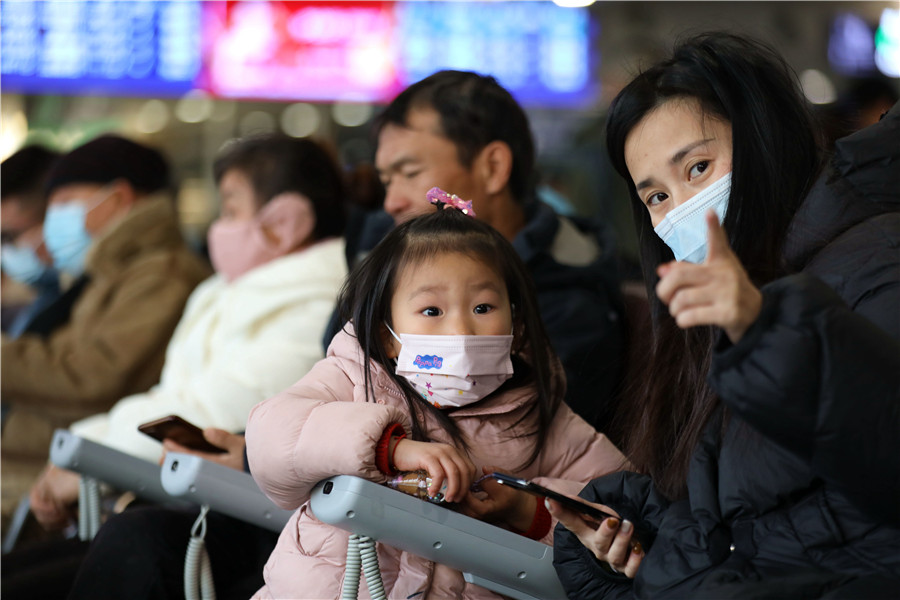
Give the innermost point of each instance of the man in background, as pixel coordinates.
(29, 282)
(464, 133)
(110, 224)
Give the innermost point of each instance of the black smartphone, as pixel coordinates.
(539, 490)
(178, 430)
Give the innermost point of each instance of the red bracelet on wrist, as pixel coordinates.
(394, 451)
(383, 457)
(541, 522)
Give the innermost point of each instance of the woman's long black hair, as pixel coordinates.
(776, 156)
(365, 300)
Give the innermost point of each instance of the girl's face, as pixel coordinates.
(452, 294)
(674, 152)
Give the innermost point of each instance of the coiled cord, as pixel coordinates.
(362, 554)
(197, 569)
(88, 508)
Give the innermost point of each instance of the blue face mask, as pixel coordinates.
(684, 227)
(66, 238)
(22, 264)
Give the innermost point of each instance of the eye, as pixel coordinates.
(432, 311)
(483, 309)
(412, 174)
(657, 198)
(698, 169)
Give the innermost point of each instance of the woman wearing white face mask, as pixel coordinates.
(254, 327)
(765, 433)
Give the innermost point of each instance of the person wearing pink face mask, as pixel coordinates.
(254, 327)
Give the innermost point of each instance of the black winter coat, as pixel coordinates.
(802, 492)
(794, 489)
(573, 264)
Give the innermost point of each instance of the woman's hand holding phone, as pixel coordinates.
(232, 443)
(610, 540)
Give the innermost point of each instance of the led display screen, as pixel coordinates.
(100, 47)
(300, 50)
(281, 50)
(857, 48)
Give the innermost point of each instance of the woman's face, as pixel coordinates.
(675, 152)
(239, 201)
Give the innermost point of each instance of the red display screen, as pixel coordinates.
(300, 50)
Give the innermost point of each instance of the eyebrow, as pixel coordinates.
(425, 289)
(676, 158)
(397, 164)
(487, 284)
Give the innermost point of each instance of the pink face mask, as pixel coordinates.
(454, 370)
(279, 228)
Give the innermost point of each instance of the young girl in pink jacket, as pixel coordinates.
(444, 366)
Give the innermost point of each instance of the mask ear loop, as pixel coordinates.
(105, 192)
(393, 334)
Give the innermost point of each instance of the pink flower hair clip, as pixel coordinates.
(443, 200)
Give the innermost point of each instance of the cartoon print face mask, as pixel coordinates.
(454, 370)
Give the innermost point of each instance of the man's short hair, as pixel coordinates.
(474, 111)
(108, 158)
(24, 174)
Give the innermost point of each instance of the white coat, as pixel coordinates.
(237, 344)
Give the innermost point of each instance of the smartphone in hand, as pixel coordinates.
(640, 535)
(180, 431)
(539, 490)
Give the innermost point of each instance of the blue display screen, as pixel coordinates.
(539, 51)
(100, 47)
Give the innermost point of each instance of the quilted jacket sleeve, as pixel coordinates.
(634, 498)
(824, 383)
(314, 430)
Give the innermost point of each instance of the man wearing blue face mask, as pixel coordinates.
(110, 224)
(23, 256)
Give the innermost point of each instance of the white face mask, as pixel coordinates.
(454, 370)
(684, 227)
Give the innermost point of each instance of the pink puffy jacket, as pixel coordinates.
(323, 426)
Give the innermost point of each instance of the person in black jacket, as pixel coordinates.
(767, 440)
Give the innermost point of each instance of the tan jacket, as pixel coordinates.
(141, 274)
(323, 425)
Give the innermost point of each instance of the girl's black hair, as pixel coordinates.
(776, 156)
(366, 301)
